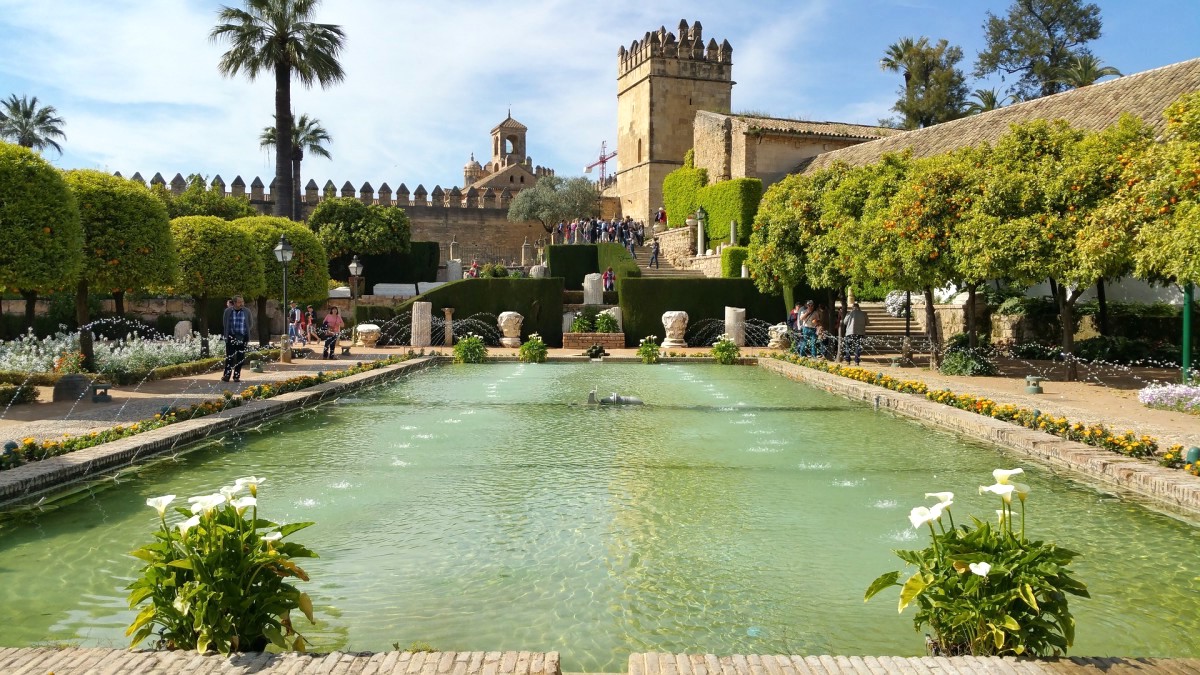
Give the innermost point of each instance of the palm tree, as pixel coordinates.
(985, 100)
(277, 36)
(307, 134)
(30, 126)
(1084, 70)
(905, 56)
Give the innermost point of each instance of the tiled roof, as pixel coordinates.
(510, 123)
(1143, 95)
(830, 129)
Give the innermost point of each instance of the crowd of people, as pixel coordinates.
(627, 232)
(810, 338)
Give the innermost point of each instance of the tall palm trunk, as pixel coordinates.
(283, 141)
(298, 207)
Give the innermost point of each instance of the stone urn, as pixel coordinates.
(368, 334)
(183, 331)
(510, 329)
(674, 326)
(779, 337)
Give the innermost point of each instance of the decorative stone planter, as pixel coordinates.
(582, 341)
(509, 324)
(368, 334)
(674, 325)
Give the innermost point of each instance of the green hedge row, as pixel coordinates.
(419, 264)
(644, 300)
(731, 261)
(538, 300)
(572, 262)
(13, 395)
(730, 200)
(681, 194)
(617, 257)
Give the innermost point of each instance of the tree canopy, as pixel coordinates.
(345, 225)
(43, 236)
(552, 200)
(1036, 41)
(199, 199)
(308, 272)
(216, 259)
(24, 122)
(934, 88)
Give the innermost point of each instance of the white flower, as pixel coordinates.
(230, 490)
(160, 504)
(1001, 515)
(272, 536)
(921, 516)
(206, 503)
(251, 482)
(1022, 490)
(1002, 475)
(1005, 491)
(188, 524)
(941, 496)
(981, 568)
(243, 503)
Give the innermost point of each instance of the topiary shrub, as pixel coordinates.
(732, 259)
(730, 200)
(681, 194)
(572, 263)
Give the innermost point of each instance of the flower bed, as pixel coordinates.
(15, 453)
(1180, 397)
(1097, 435)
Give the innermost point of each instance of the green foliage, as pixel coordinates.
(1113, 349)
(985, 590)
(725, 351)
(606, 323)
(200, 199)
(1036, 41)
(689, 159)
(494, 271)
(43, 237)
(216, 259)
(127, 236)
(934, 89)
(219, 580)
(643, 302)
(618, 258)
(12, 394)
(730, 200)
(648, 349)
(30, 125)
(552, 200)
(308, 272)
(533, 350)
(470, 349)
(538, 300)
(347, 226)
(966, 361)
(732, 258)
(572, 263)
(681, 194)
(584, 322)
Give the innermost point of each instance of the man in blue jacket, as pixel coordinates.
(236, 324)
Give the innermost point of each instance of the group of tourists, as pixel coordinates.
(809, 337)
(237, 323)
(627, 232)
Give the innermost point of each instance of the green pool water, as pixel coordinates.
(480, 508)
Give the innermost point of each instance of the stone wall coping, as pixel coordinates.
(1163, 489)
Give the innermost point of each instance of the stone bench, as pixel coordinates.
(395, 290)
(100, 392)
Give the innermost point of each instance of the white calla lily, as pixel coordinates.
(923, 516)
(272, 536)
(243, 503)
(1022, 490)
(1002, 516)
(1002, 475)
(206, 503)
(188, 524)
(230, 491)
(941, 496)
(160, 504)
(251, 482)
(1005, 491)
(980, 568)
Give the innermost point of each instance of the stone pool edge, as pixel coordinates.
(1167, 489)
(31, 480)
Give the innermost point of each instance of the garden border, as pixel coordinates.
(54, 473)
(1168, 490)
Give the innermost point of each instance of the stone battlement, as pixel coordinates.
(662, 44)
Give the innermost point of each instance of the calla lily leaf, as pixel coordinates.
(884, 581)
(912, 588)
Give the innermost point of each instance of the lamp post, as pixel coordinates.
(356, 270)
(283, 253)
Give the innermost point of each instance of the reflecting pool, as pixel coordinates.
(484, 508)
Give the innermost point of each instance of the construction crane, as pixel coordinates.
(604, 157)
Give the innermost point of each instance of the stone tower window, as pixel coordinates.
(522, 179)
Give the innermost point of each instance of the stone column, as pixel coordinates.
(526, 253)
(454, 255)
(745, 272)
(701, 240)
(449, 312)
(539, 272)
(733, 233)
(674, 326)
(593, 289)
(735, 325)
(453, 269)
(422, 323)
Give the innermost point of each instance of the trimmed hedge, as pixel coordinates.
(13, 395)
(572, 262)
(419, 264)
(617, 257)
(731, 261)
(735, 200)
(644, 300)
(538, 300)
(681, 194)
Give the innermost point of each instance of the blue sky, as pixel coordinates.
(136, 82)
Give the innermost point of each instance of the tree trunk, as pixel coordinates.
(1053, 288)
(30, 308)
(907, 313)
(1102, 313)
(297, 206)
(85, 332)
(282, 192)
(972, 330)
(264, 326)
(119, 302)
(931, 329)
(1066, 315)
(201, 312)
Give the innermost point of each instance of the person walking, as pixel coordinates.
(609, 278)
(855, 325)
(653, 254)
(808, 320)
(333, 324)
(236, 323)
(293, 319)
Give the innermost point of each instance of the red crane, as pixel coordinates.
(604, 157)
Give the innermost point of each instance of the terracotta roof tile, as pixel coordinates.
(833, 129)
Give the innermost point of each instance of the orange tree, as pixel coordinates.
(216, 259)
(43, 239)
(308, 273)
(127, 242)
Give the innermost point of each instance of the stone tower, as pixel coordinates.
(662, 80)
(508, 144)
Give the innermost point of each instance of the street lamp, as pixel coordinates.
(283, 253)
(356, 270)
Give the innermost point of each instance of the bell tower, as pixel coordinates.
(662, 81)
(508, 143)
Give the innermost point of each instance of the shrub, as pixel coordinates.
(219, 579)
(494, 271)
(617, 257)
(572, 263)
(644, 300)
(606, 323)
(1036, 351)
(538, 300)
(681, 194)
(967, 361)
(1112, 349)
(533, 350)
(648, 349)
(984, 590)
(732, 258)
(725, 351)
(582, 324)
(13, 394)
(730, 200)
(470, 349)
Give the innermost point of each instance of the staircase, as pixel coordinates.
(665, 270)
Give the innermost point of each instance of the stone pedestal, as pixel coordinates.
(422, 324)
(454, 247)
(779, 338)
(453, 270)
(526, 253)
(733, 233)
(449, 337)
(735, 325)
(593, 290)
(368, 334)
(674, 326)
(183, 330)
(539, 272)
(745, 272)
(510, 329)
